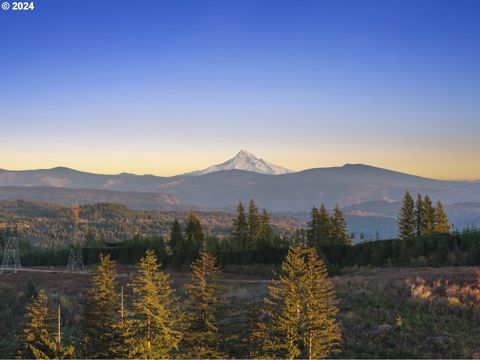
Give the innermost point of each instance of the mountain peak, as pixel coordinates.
(244, 152)
(245, 160)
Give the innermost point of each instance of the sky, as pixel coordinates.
(165, 87)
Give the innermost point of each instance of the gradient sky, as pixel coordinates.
(166, 87)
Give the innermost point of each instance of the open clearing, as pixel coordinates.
(384, 313)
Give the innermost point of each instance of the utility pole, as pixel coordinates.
(75, 257)
(11, 255)
(59, 329)
(122, 311)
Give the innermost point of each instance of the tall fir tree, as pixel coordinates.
(300, 312)
(406, 223)
(339, 231)
(283, 309)
(201, 337)
(119, 347)
(255, 339)
(155, 319)
(429, 216)
(321, 330)
(442, 226)
(253, 225)
(195, 237)
(419, 216)
(265, 231)
(324, 226)
(240, 228)
(39, 339)
(100, 314)
(176, 242)
(313, 233)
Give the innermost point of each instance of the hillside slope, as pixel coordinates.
(346, 185)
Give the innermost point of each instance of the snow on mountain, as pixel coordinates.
(245, 161)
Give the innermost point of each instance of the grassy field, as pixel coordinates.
(384, 313)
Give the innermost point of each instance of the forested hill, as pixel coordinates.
(52, 225)
(65, 196)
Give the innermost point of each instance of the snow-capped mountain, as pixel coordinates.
(245, 161)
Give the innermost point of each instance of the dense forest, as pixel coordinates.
(252, 238)
(51, 225)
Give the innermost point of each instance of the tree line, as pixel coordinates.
(421, 218)
(251, 230)
(296, 320)
(325, 229)
(253, 240)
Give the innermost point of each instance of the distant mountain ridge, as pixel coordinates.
(299, 191)
(244, 161)
(68, 197)
(369, 195)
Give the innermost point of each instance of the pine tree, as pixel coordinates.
(429, 216)
(313, 235)
(283, 309)
(176, 243)
(265, 232)
(240, 228)
(442, 226)
(255, 339)
(101, 310)
(321, 334)
(119, 347)
(300, 310)
(406, 224)
(40, 342)
(324, 226)
(253, 225)
(338, 231)
(201, 339)
(154, 321)
(194, 234)
(419, 216)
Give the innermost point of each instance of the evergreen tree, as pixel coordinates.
(324, 226)
(319, 231)
(442, 226)
(253, 225)
(100, 311)
(419, 216)
(338, 231)
(300, 310)
(40, 342)
(240, 228)
(283, 309)
(429, 216)
(255, 339)
(153, 327)
(265, 232)
(321, 333)
(313, 232)
(176, 237)
(201, 339)
(119, 347)
(406, 224)
(194, 234)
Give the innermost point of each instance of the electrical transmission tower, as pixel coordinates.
(75, 257)
(11, 255)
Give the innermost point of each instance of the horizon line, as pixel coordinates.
(189, 172)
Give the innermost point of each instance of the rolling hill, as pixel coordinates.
(345, 186)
